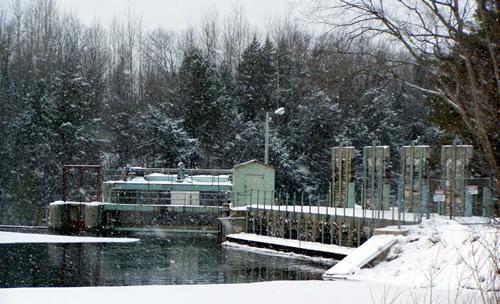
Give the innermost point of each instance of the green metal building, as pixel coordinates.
(253, 182)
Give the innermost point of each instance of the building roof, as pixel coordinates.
(253, 161)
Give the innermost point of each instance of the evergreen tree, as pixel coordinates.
(255, 80)
(202, 103)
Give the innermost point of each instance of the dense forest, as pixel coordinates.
(119, 95)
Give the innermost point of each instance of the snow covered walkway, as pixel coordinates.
(16, 237)
(287, 244)
(356, 212)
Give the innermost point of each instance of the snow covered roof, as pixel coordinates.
(191, 180)
(253, 161)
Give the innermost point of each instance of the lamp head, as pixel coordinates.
(280, 111)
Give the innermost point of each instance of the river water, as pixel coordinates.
(157, 259)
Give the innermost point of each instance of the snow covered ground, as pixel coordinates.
(442, 254)
(288, 292)
(16, 237)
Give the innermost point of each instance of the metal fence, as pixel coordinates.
(474, 198)
(179, 198)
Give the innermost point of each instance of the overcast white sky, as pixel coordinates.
(176, 14)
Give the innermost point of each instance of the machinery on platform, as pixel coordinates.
(193, 187)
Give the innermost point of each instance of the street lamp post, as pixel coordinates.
(279, 111)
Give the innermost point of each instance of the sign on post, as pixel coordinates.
(472, 189)
(438, 196)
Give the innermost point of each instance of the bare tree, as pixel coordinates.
(455, 42)
(160, 49)
(210, 32)
(235, 37)
(159, 66)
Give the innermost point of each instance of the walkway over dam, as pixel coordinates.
(327, 225)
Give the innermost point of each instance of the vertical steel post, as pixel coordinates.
(247, 218)
(328, 203)
(400, 199)
(301, 202)
(381, 196)
(289, 219)
(309, 203)
(279, 206)
(372, 177)
(363, 187)
(322, 219)
(453, 177)
(298, 225)
(412, 164)
(487, 207)
(334, 169)
(443, 182)
(257, 198)
(401, 186)
(259, 217)
(65, 183)
(80, 189)
(305, 229)
(98, 181)
(318, 204)
(464, 193)
(340, 194)
(250, 211)
(420, 181)
(331, 229)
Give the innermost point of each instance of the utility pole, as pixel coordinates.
(266, 140)
(279, 111)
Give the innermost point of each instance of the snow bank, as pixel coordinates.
(371, 249)
(289, 292)
(444, 254)
(16, 237)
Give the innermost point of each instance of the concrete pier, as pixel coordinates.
(106, 217)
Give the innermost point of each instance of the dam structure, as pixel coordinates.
(243, 206)
(147, 199)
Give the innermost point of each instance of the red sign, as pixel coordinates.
(472, 189)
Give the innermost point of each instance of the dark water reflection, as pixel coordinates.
(169, 259)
